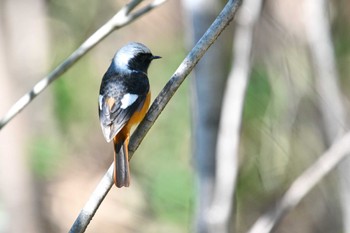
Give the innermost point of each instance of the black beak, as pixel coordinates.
(156, 57)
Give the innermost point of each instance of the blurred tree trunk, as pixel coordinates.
(23, 50)
(327, 84)
(229, 136)
(207, 90)
(15, 189)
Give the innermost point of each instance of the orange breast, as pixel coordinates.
(139, 115)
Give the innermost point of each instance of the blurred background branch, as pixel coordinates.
(206, 92)
(227, 160)
(303, 184)
(330, 99)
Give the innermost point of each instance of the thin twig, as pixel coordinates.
(157, 107)
(303, 185)
(122, 18)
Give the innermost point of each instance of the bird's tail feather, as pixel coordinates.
(121, 164)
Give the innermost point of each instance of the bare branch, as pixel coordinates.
(120, 19)
(157, 107)
(303, 184)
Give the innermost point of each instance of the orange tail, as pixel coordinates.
(121, 163)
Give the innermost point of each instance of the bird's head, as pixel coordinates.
(133, 57)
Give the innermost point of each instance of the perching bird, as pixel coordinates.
(123, 101)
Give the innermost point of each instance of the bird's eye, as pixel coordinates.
(140, 62)
(142, 57)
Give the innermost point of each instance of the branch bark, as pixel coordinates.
(303, 185)
(121, 19)
(220, 23)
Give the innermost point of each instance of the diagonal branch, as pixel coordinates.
(303, 185)
(122, 18)
(220, 23)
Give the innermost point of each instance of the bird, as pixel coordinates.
(124, 99)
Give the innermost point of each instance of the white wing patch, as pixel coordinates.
(128, 99)
(100, 101)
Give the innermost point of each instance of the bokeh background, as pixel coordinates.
(53, 154)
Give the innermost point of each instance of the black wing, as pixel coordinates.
(120, 96)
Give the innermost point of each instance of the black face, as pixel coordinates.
(141, 62)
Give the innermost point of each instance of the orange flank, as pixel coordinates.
(121, 141)
(139, 115)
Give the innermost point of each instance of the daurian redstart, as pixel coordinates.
(123, 102)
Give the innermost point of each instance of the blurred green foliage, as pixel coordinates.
(73, 98)
(45, 153)
(257, 96)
